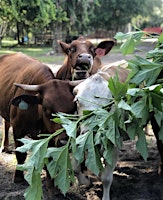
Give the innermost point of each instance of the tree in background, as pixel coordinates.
(114, 15)
(77, 17)
(27, 15)
(152, 14)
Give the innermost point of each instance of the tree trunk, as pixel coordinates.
(0, 41)
(57, 35)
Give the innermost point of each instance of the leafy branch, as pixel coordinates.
(126, 115)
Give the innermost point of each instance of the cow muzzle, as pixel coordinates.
(83, 66)
(80, 74)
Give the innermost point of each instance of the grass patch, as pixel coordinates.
(40, 53)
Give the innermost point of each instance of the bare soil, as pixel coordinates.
(134, 179)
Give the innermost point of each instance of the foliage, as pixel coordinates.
(152, 18)
(65, 17)
(126, 114)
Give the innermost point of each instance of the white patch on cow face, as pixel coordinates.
(92, 93)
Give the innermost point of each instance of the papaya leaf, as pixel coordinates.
(117, 88)
(132, 130)
(109, 151)
(85, 143)
(160, 133)
(148, 71)
(160, 38)
(93, 161)
(141, 144)
(37, 152)
(158, 117)
(128, 46)
(68, 125)
(60, 167)
(122, 104)
(140, 109)
(110, 132)
(34, 191)
(81, 142)
(130, 40)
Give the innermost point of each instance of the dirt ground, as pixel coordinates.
(134, 179)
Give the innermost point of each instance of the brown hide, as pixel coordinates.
(19, 68)
(29, 105)
(82, 58)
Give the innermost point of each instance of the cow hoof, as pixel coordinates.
(4, 150)
(19, 178)
(160, 170)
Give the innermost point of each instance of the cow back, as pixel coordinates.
(19, 68)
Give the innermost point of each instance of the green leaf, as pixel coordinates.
(38, 150)
(159, 117)
(69, 125)
(160, 133)
(60, 167)
(93, 161)
(34, 191)
(140, 110)
(156, 95)
(148, 71)
(117, 88)
(132, 130)
(122, 104)
(128, 46)
(141, 144)
(120, 36)
(109, 153)
(160, 38)
(81, 142)
(133, 91)
(85, 143)
(110, 132)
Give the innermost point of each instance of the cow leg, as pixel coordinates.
(107, 176)
(107, 179)
(19, 175)
(83, 180)
(5, 137)
(50, 189)
(156, 129)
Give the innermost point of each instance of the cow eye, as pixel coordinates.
(72, 49)
(47, 112)
(92, 50)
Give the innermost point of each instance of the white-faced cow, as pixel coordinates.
(86, 94)
(29, 95)
(82, 58)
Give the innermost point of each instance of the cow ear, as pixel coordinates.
(104, 47)
(64, 46)
(24, 102)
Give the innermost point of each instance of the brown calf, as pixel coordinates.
(82, 58)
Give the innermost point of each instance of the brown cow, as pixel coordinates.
(28, 104)
(82, 58)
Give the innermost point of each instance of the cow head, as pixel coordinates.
(51, 97)
(92, 93)
(82, 55)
